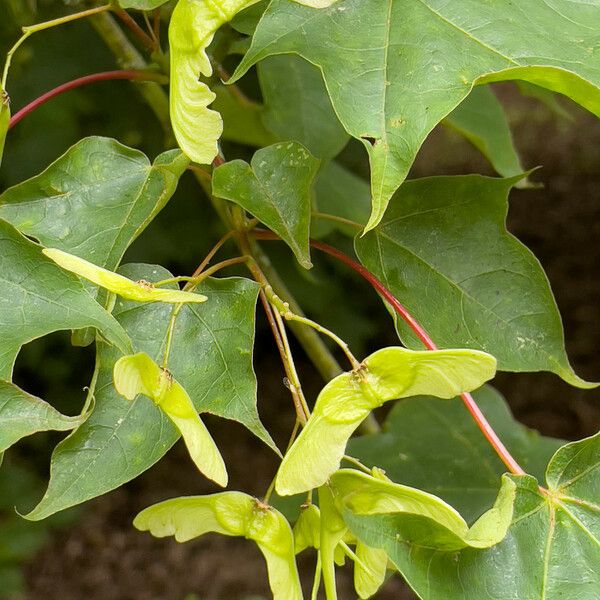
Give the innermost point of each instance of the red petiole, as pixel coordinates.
(479, 418)
(80, 82)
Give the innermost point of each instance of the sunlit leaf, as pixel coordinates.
(37, 298)
(396, 69)
(139, 374)
(231, 514)
(276, 189)
(193, 25)
(388, 374)
(22, 414)
(211, 356)
(462, 468)
(551, 549)
(443, 243)
(139, 291)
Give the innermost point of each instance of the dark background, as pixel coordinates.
(93, 552)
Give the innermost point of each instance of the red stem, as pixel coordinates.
(467, 399)
(130, 22)
(70, 85)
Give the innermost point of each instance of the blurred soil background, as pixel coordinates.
(93, 552)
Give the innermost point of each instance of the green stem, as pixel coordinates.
(284, 310)
(91, 389)
(317, 580)
(357, 463)
(271, 487)
(192, 283)
(300, 414)
(336, 219)
(31, 29)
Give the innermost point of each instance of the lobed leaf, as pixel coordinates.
(411, 63)
(231, 514)
(37, 298)
(388, 374)
(139, 374)
(547, 527)
(22, 414)
(462, 468)
(95, 200)
(191, 30)
(139, 291)
(276, 189)
(443, 242)
(211, 356)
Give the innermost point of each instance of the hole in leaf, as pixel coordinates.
(369, 139)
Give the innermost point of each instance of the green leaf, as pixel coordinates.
(551, 550)
(297, 106)
(139, 374)
(276, 189)
(139, 291)
(242, 118)
(211, 356)
(342, 405)
(550, 99)
(193, 25)
(443, 242)
(341, 193)
(247, 19)
(411, 63)
(22, 414)
(37, 298)
(480, 118)
(95, 200)
(462, 468)
(232, 514)
(4, 119)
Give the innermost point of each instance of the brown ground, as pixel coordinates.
(104, 558)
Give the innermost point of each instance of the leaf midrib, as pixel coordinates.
(553, 360)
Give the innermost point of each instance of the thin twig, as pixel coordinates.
(132, 25)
